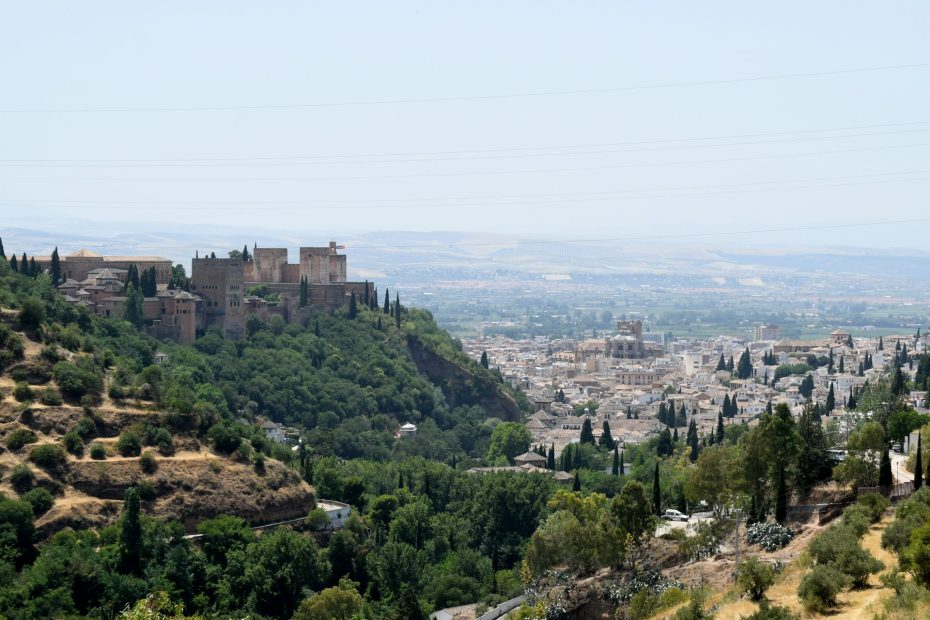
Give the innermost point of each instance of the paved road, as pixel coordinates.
(897, 468)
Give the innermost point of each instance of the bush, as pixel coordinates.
(22, 479)
(129, 444)
(916, 556)
(19, 438)
(98, 452)
(85, 428)
(31, 314)
(875, 504)
(48, 456)
(50, 397)
(160, 437)
(77, 380)
(225, 438)
(147, 462)
(755, 578)
(73, 444)
(857, 564)
(317, 520)
(771, 612)
(40, 500)
(146, 490)
(829, 544)
(693, 610)
(23, 393)
(857, 518)
(819, 588)
(769, 536)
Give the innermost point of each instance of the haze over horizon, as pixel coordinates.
(805, 123)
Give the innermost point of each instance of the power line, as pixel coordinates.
(366, 156)
(550, 93)
(430, 203)
(478, 173)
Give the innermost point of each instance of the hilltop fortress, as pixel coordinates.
(221, 292)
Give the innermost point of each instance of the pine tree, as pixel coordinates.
(719, 428)
(831, 400)
(130, 533)
(387, 301)
(13, 264)
(607, 438)
(587, 433)
(656, 493)
(56, 267)
(484, 359)
(918, 465)
(615, 469)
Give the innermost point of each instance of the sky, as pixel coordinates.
(791, 123)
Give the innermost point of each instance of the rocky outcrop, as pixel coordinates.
(461, 386)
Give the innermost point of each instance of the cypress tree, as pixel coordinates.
(726, 405)
(663, 414)
(387, 301)
(719, 428)
(622, 470)
(245, 253)
(629, 413)
(3, 255)
(353, 308)
(484, 359)
(675, 435)
(576, 457)
(33, 267)
(13, 264)
(576, 485)
(721, 363)
(881, 344)
(615, 469)
(831, 400)
(670, 414)
(132, 307)
(682, 418)
(56, 267)
(781, 499)
(918, 466)
(397, 308)
(607, 437)
(550, 459)
(656, 493)
(885, 477)
(24, 265)
(365, 297)
(130, 533)
(842, 368)
(730, 364)
(587, 433)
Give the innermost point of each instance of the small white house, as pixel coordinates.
(407, 430)
(337, 512)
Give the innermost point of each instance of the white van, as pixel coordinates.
(674, 515)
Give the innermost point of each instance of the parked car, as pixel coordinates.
(674, 515)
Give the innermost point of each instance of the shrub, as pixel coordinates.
(771, 612)
(916, 556)
(48, 456)
(769, 536)
(755, 578)
(160, 437)
(40, 500)
(147, 462)
(129, 444)
(98, 452)
(819, 588)
(857, 564)
(146, 490)
(50, 397)
(857, 518)
(829, 544)
(260, 464)
(23, 393)
(77, 380)
(73, 443)
(225, 438)
(19, 438)
(876, 505)
(85, 428)
(22, 479)
(693, 610)
(31, 314)
(317, 520)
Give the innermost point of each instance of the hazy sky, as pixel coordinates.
(360, 116)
